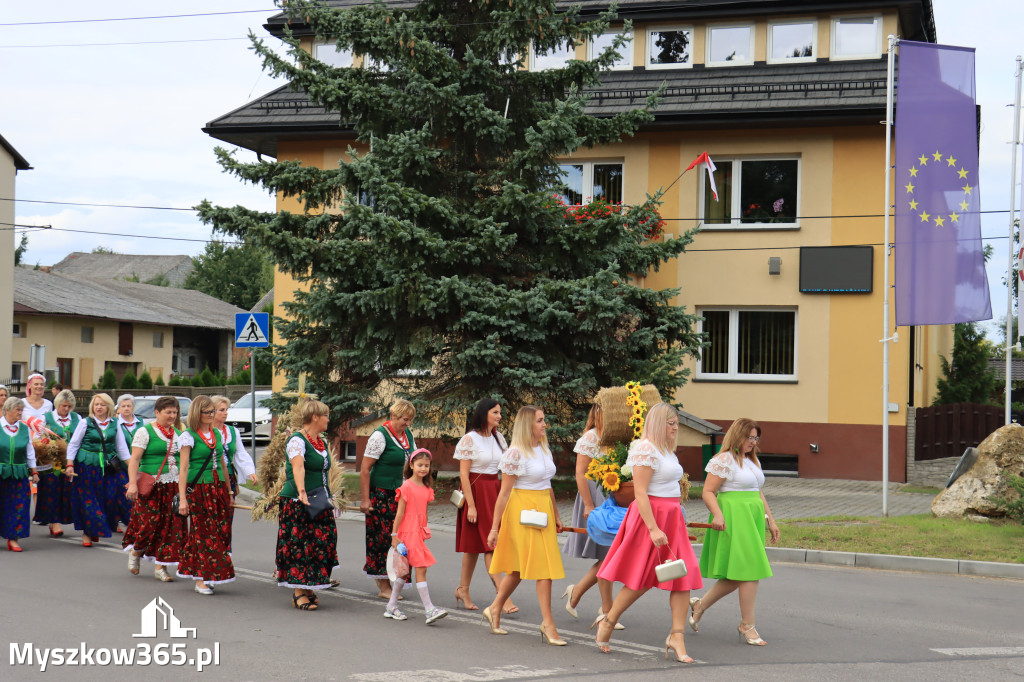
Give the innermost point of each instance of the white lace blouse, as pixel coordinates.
(484, 451)
(744, 477)
(532, 473)
(667, 469)
(588, 444)
(170, 473)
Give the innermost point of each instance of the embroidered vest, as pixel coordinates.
(14, 452)
(201, 454)
(54, 425)
(316, 465)
(95, 450)
(156, 449)
(387, 472)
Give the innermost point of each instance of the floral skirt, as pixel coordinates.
(307, 549)
(15, 499)
(155, 528)
(95, 509)
(117, 486)
(583, 546)
(379, 520)
(530, 552)
(205, 555)
(472, 537)
(53, 498)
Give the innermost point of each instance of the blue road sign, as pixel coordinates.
(252, 330)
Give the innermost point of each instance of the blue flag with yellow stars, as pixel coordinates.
(940, 264)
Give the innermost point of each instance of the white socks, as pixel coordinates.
(396, 589)
(424, 595)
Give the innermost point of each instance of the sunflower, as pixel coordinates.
(611, 481)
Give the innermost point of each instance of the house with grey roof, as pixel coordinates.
(160, 270)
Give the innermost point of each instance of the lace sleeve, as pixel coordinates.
(587, 445)
(643, 454)
(512, 463)
(141, 439)
(501, 441)
(722, 465)
(466, 449)
(295, 448)
(374, 446)
(185, 440)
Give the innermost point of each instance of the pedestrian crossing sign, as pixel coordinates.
(252, 330)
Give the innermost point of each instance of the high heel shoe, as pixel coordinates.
(56, 533)
(744, 634)
(547, 639)
(490, 622)
(86, 541)
(11, 547)
(567, 596)
(604, 645)
(668, 645)
(694, 616)
(600, 617)
(466, 603)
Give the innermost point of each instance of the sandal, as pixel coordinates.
(694, 616)
(744, 633)
(509, 608)
(307, 606)
(605, 644)
(680, 658)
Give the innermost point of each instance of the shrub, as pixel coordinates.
(129, 381)
(145, 381)
(159, 380)
(1013, 508)
(205, 378)
(108, 380)
(175, 381)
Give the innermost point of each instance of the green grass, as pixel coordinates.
(919, 535)
(920, 489)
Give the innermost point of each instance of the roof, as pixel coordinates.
(998, 367)
(268, 299)
(126, 266)
(760, 95)
(47, 293)
(698, 424)
(19, 161)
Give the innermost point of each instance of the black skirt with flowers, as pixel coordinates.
(307, 549)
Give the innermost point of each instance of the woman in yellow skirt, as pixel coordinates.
(526, 552)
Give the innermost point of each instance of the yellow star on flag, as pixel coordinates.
(950, 160)
(909, 187)
(964, 205)
(962, 173)
(913, 172)
(966, 189)
(925, 217)
(937, 156)
(913, 205)
(954, 217)
(939, 221)
(923, 160)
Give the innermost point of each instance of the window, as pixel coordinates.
(756, 193)
(748, 344)
(669, 48)
(19, 330)
(556, 58)
(371, 63)
(86, 334)
(125, 338)
(174, 363)
(589, 180)
(328, 53)
(17, 373)
(790, 42)
(158, 339)
(599, 44)
(730, 45)
(191, 362)
(856, 37)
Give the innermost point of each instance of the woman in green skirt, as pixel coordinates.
(733, 551)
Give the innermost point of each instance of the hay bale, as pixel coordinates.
(617, 413)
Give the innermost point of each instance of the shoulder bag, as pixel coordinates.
(319, 499)
(145, 482)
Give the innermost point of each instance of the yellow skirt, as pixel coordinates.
(531, 552)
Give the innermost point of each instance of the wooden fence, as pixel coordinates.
(948, 430)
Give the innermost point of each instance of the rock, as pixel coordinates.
(999, 456)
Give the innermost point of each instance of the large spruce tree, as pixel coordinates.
(439, 264)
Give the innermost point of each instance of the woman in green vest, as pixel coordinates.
(17, 468)
(53, 497)
(204, 496)
(95, 454)
(307, 548)
(380, 475)
(155, 531)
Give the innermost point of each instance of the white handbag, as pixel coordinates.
(458, 498)
(670, 570)
(533, 518)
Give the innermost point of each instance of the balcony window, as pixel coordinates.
(856, 37)
(749, 344)
(589, 180)
(753, 193)
(790, 42)
(669, 48)
(598, 44)
(730, 45)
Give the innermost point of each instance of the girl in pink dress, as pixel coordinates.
(411, 528)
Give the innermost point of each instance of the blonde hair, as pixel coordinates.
(65, 396)
(106, 400)
(656, 424)
(402, 408)
(218, 399)
(737, 433)
(313, 408)
(522, 431)
(195, 411)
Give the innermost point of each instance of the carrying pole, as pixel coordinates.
(1012, 279)
(886, 253)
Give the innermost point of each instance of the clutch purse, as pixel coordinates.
(319, 502)
(458, 498)
(533, 518)
(670, 570)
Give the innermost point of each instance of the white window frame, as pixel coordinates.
(332, 47)
(877, 18)
(588, 175)
(793, 60)
(647, 48)
(709, 30)
(735, 222)
(533, 59)
(626, 63)
(734, 346)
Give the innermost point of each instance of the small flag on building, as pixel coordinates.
(940, 264)
(705, 161)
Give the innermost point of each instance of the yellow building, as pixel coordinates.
(10, 163)
(787, 101)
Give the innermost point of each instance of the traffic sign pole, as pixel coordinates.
(252, 385)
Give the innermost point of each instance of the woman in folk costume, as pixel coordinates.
(156, 532)
(204, 496)
(380, 475)
(53, 495)
(127, 426)
(17, 469)
(96, 453)
(236, 458)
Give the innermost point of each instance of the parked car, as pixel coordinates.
(240, 415)
(144, 407)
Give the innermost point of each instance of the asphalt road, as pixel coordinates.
(821, 623)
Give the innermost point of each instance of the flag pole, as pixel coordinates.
(885, 277)
(1014, 143)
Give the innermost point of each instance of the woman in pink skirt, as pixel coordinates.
(653, 532)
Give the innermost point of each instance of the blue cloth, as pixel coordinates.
(604, 522)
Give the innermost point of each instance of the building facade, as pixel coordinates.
(10, 163)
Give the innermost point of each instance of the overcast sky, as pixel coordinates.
(121, 123)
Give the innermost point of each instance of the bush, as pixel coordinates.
(159, 380)
(243, 378)
(185, 381)
(175, 381)
(129, 381)
(145, 381)
(1014, 509)
(205, 378)
(108, 380)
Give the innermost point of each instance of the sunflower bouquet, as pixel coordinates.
(607, 470)
(639, 408)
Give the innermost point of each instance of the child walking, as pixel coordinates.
(411, 528)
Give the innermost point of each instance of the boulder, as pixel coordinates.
(970, 496)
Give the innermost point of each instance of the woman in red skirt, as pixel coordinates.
(204, 496)
(653, 532)
(479, 453)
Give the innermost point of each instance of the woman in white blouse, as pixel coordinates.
(732, 493)
(479, 453)
(526, 552)
(653, 532)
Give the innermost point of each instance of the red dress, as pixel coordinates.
(413, 530)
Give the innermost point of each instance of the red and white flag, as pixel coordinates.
(709, 165)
